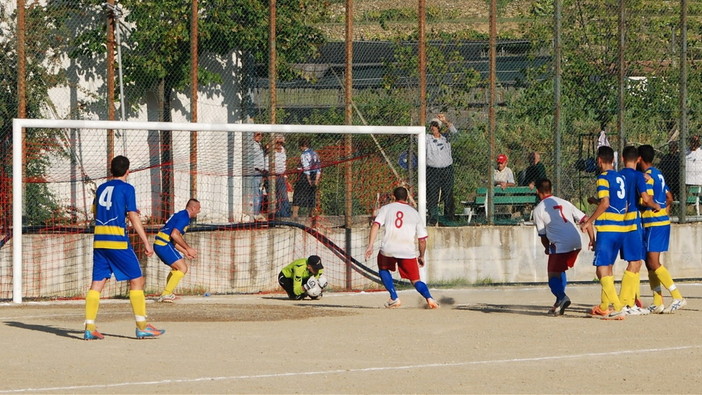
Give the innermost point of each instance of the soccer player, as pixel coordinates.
(609, 221)
(403, 226)
(632, 248)
(555, 220)
(293, 276)
(170, 247)
(115, 201)
(657, 235)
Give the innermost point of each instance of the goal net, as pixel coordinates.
(248, 178)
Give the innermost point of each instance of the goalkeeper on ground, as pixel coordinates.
(303, 277)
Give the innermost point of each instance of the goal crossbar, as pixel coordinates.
(18, 125)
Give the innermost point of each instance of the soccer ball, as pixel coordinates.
(314, 292)
(322, 281)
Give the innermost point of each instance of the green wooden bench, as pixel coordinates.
(694, 195)
(510, 196)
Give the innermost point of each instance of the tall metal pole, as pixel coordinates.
(683, 108)
(557, 129)
(622, 76)
(422, 13)
(110, 79)
(492, 124)
(272, 59)
(348, 119)
(18, 159)
(21, 61)
(193, 95)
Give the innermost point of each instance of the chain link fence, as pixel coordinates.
(72, 74)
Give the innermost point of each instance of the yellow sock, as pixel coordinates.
(611, 292)
(637, 286)
(138, 301)
(92, 303)
(655, 284)
(628, 291)
(604, 301)
(667, 280)
(174, 278)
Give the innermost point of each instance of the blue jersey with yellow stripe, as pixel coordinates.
(658, 189)
(612, 185)
(179, 220)
(113, 200)
(635, 186)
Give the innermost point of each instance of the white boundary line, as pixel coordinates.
(361, 370)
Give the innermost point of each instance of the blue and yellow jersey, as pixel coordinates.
(180, 221)
(612, 185)
(658, 191)
(635, 186)
(113, 200)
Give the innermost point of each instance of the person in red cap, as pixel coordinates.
(503, 175)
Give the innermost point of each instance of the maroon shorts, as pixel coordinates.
(561, 262)
(408, 267)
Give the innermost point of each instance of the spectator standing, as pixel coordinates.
(310, 169)
(440, 169)
(536, 171)
(280, 159)
(693, 163)
(256, 169)
(503, 176)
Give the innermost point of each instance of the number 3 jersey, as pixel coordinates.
(403, 227)
(555, 218)
(113, 200)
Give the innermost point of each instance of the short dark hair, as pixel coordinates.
(119, 166)
(630, 153)
(191, 200)
(606, 154)
(304, 142)
(400, 193)
(647, 153)
(543, 185)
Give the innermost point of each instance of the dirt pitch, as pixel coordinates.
(490, 340)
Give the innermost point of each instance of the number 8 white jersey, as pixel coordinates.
(403, 227)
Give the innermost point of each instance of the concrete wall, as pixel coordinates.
(249, 261)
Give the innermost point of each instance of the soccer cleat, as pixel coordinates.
(431, 303)
(676, 305)
(615, 315)
(656, 309)
(599, 313)
(393, 303)
(149, 331)
(559, 308)
(92, 335)
(634, 311)
(167, 298)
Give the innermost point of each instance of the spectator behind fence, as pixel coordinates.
(693, 163)
(280, 159)
(310, 169)
(256, 168)
(535, 171)
(440, 169)
(670, 167)
(503, 175)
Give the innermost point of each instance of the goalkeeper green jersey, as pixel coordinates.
(297, 270)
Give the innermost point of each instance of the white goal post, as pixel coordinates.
(19, 125)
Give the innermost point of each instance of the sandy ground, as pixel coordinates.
(482, 340)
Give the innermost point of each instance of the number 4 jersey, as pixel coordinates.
(403, 227)
(113, 200)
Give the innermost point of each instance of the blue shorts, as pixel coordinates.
(123, 263)
(167, 254)
(633, 247)
(657, 238)
(607, 245)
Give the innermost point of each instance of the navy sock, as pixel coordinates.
(556, 285)
(422, 289)
(564, 278)
(386, 278)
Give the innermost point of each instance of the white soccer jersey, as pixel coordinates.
(556, 219)
(403, 227)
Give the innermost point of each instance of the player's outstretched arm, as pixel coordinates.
(139, 228)
(371, 239)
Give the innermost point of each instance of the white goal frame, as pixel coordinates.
(18, 126)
